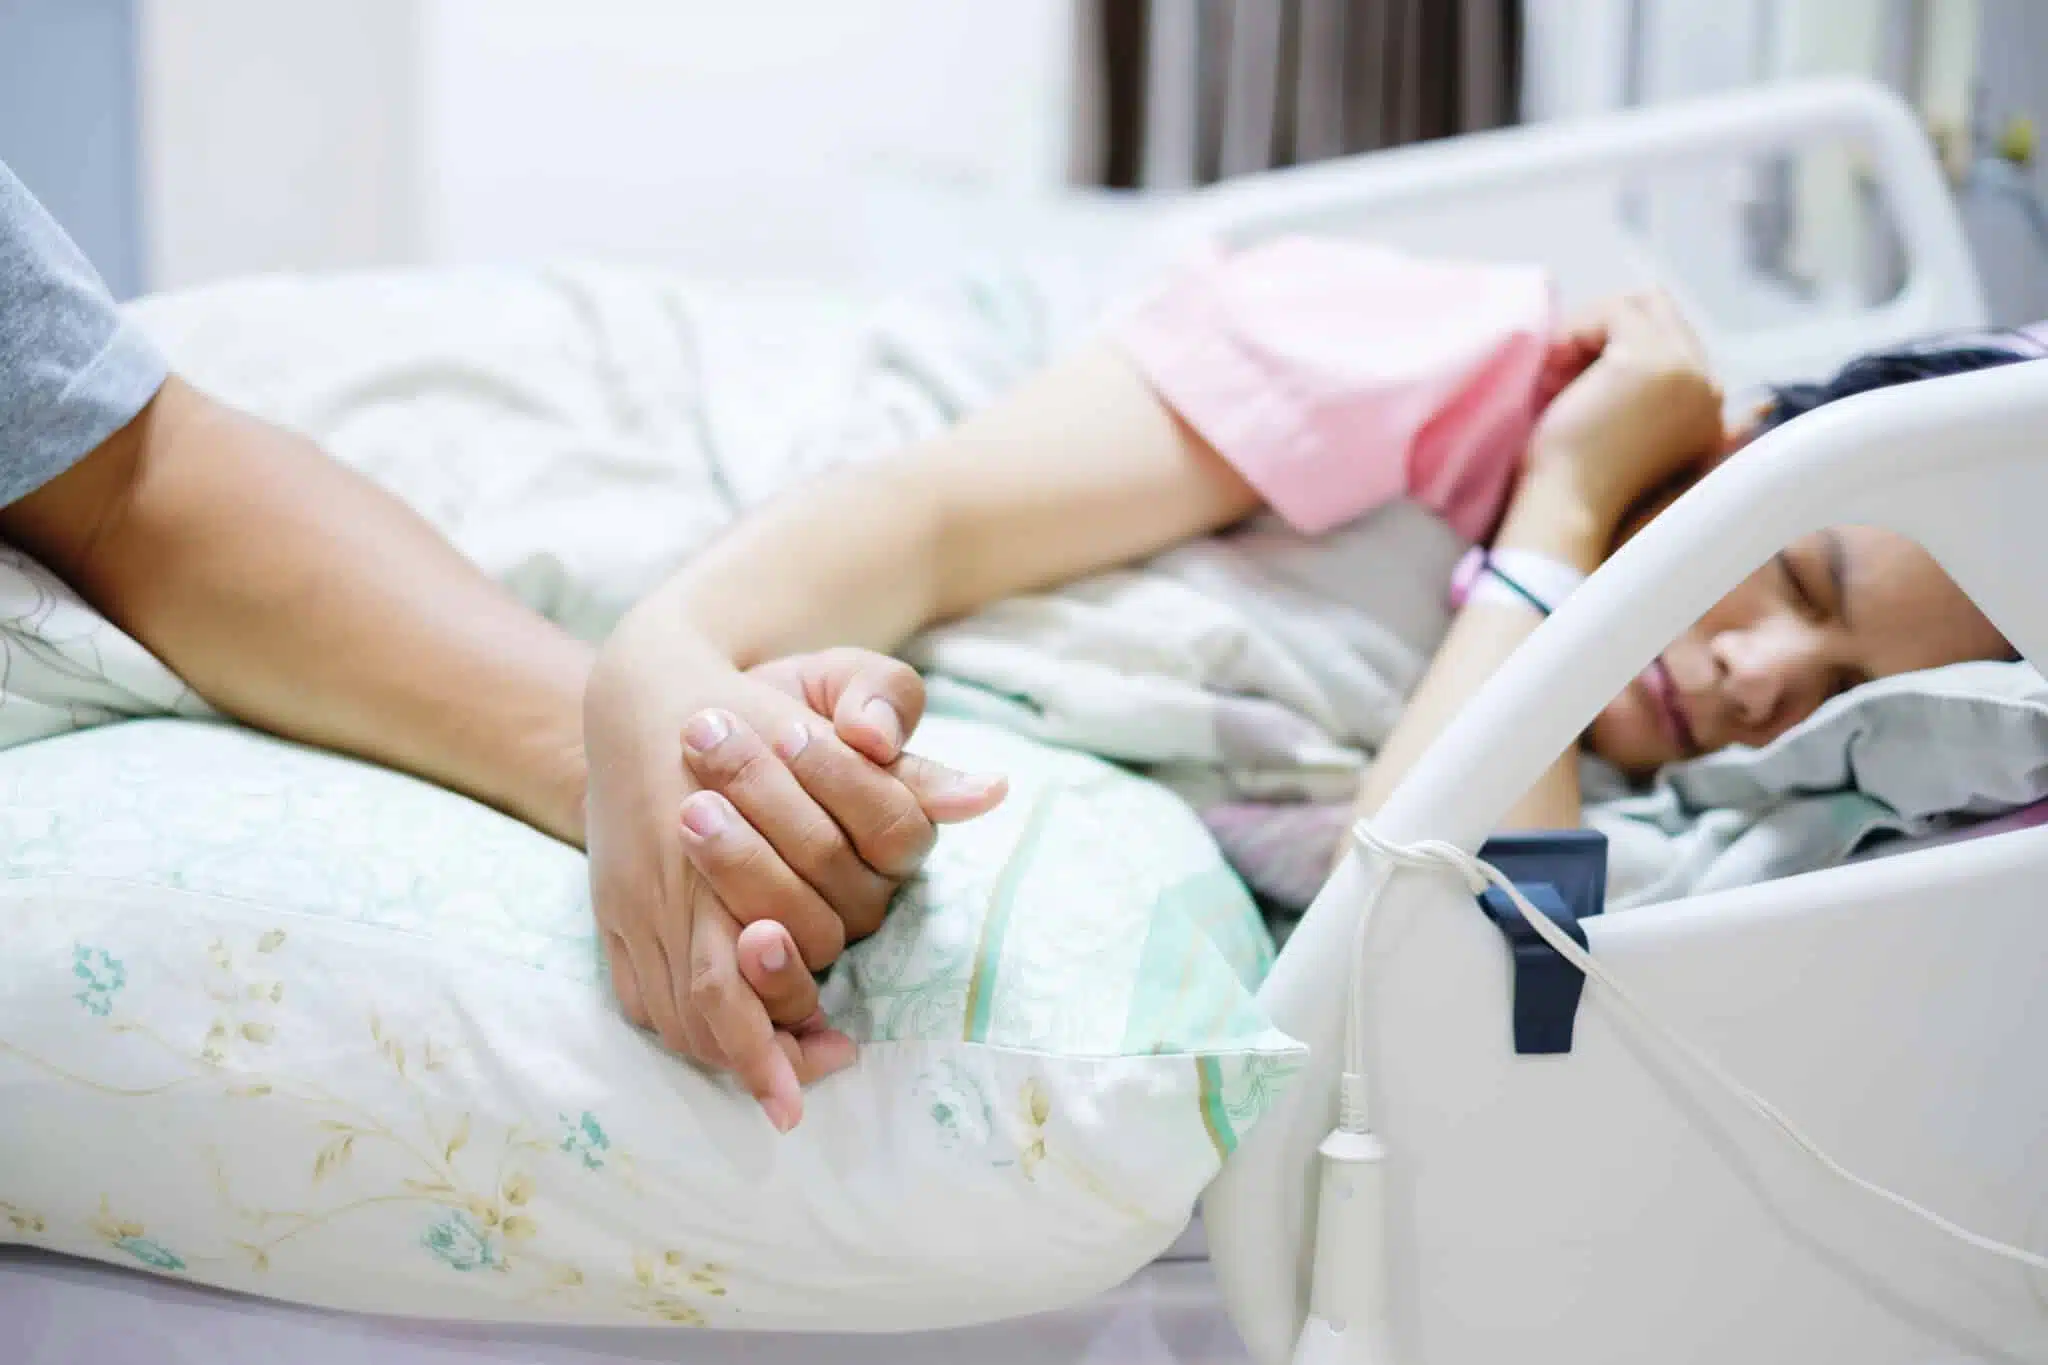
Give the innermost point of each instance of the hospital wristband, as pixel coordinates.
(1521, 576)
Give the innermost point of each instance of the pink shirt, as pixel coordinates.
(1336, 376)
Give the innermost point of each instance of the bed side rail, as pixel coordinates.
(1958, 464)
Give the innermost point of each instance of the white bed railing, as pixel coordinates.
(1602, 1205)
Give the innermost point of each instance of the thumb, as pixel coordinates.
(877, 705)
(769, 962)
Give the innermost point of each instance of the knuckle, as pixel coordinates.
(820, 938)
(783, 902)
(820, 847)
(865, 914)
(736, 762)
(713, 986)
(900, 835)
(742, 861)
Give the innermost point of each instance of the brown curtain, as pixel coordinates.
(1192, 91)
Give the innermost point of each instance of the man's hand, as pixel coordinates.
(718, 962)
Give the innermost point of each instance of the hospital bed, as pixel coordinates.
(1605, 1204)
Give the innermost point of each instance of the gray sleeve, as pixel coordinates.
(73, 371)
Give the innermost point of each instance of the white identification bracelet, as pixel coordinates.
(1513, 576)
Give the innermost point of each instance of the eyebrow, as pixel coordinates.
(1837, 557)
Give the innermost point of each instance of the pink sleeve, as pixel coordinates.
(1337, 376)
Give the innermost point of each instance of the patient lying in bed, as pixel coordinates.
(1324, 381)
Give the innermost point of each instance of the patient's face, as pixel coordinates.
(1832, 610)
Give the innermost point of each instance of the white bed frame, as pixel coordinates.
(1606, 1205)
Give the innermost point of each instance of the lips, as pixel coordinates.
(1670, 706)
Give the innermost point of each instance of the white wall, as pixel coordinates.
(1584, 56)
(1574, 57)
(277, 136)
(769, 137)
(745, 135)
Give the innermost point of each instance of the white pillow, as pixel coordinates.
(1908, 755)
(288, 1024)
(1968, 739)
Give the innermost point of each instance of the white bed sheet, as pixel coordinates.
(63, 1312)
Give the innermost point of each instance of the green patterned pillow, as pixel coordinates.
(293, 1025)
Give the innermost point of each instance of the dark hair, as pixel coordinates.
(1955, 353)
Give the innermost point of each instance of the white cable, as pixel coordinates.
(1438, 856)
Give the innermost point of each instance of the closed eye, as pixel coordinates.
(1802, 592)
(1814, 602)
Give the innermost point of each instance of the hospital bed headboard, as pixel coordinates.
(1561, 194)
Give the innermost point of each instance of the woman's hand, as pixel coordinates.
(723, 875)
(1634, 407)
(1630, 408)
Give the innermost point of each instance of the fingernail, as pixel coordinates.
(704, 815)
(775, 956)
(794, 741)
(882, 716)
(780, 1112)
(706, 731)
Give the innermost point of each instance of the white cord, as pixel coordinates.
(1437, 856)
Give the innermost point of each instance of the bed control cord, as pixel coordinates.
(1437, 856)
(1348, 1322)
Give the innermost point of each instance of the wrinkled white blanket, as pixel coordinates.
(581, 431)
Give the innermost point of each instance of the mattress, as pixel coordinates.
(61, 1312)
(56, 1311)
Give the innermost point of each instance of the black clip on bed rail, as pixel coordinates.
(1564, 875)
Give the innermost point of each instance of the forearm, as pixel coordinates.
(1482, 638)
(1080, 469)
(298, 597)
(1545, 519)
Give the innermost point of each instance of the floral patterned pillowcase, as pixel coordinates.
(280, 1022)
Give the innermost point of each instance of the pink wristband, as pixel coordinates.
(1513, 576)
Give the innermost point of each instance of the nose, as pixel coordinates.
(1761, 673)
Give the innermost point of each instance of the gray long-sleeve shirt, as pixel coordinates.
(73, 371)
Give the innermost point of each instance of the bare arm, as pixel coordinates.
(1081, 469)
(1545, 518)
(296, 596)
